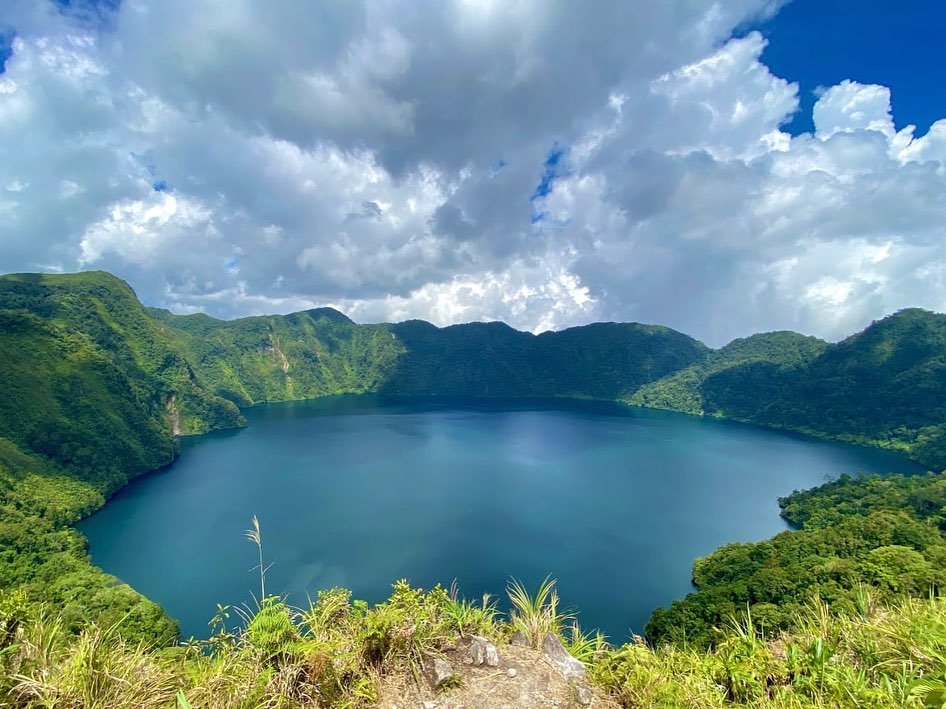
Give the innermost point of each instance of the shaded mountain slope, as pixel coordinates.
(884, 386)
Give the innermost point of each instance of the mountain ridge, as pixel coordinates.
(95, 387)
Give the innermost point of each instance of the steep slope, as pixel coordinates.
(283, 357)
(321, 352)
(92, 325)
(82, 410)
(769, 353)
(75, 387)
(883, 386)
(602, 361)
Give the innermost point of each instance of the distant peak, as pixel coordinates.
(329, 314)
(912, 314)
(906, 317)
(493, 324)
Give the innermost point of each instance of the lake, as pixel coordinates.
(612, 501)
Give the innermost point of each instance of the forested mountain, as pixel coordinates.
(94, 388)
(602, 361)
(769, 353)
(884, 534)
(84, 383)
(883, 386)
(280, 357)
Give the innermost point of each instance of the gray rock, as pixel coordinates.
(519, 638)
(481, 652)
(512, 672)
(571, 668)
(553, 648)
(438, 671)
(583, 695)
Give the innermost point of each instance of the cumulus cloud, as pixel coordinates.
(462, 160)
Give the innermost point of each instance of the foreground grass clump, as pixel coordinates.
(337, 652)
(333, 653)
(877, 656)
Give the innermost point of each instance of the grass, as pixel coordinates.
(535, 615)
(48, 667)
(336, 652)
(885, 656)
(466, 617)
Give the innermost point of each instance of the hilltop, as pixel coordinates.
(878, 387)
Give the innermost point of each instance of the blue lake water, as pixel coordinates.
(614, 502)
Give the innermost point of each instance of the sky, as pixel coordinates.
(722, 168)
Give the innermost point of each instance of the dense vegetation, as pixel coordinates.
(601, 361)
(883, 386)
(82, 410)
(886, 534)
(279, 358)
(94, 389)
(341, 653)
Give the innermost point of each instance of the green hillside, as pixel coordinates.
(95, 389)
(85, 382)
(601, 361)
(885, 534)
(281, 358)
(771, 352)
(883, 386)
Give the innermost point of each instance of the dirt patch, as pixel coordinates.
(278, 356)
(175, 415)
(524, 679)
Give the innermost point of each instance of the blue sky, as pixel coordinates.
(6, 38)
(899, 45)
(86, 11)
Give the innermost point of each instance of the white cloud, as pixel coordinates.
(850, 107)
(241, 157)
(140, 231)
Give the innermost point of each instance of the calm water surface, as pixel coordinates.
(360, 491)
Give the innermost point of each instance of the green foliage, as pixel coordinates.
(536, 615)
(280, 358)
(86, 377)
(337, 652)
(96, 388)
(880, 387)
(466, 617)
(599, 361)
(921, 496)
(587, 647)
(682, 390)
(48, 666)
(271, 631)
(885, 534)
(330, 654)
(888, 656)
